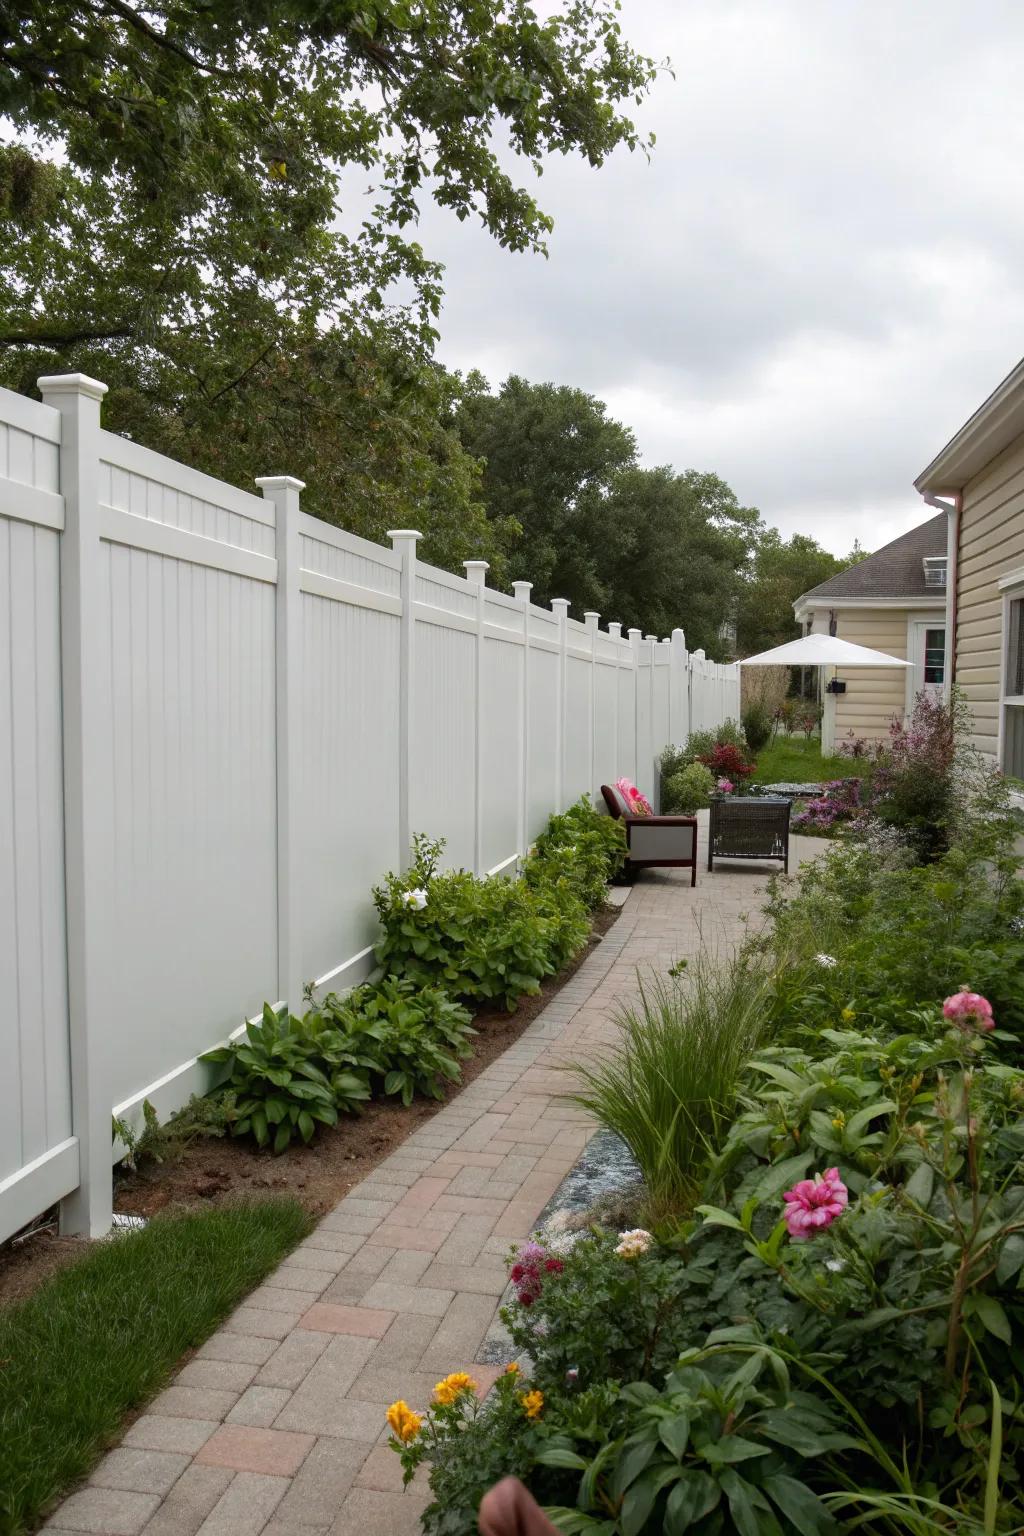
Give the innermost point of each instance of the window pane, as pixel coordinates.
(934, 655)
(1013, 741)
(1015, 649)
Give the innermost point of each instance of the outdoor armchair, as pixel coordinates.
(749, 827)
(655, 842)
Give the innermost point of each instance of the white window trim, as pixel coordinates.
(932, 620)
(1012, 587)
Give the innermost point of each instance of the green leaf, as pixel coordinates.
(675, 1434)
(306, 1125)
(637, 1505)
(920, 1185)
(694, 1496)
(561, 1456)
(863, 1117)
(732, 1448)
(992, 1315)
(803, 1510)
(1011, 1258)
(632, 1463)
(283, 1137)
(714, 1217)
(742, 1506)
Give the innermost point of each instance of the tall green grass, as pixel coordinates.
(669, 1086)
(102, 1335)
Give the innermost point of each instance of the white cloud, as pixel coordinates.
(817, 277)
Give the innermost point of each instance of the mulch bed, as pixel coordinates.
(212, 1171)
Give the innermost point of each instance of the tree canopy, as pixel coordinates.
(780, 571)
(647, 547)
(210, 207)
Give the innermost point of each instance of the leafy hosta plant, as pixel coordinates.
(411, 1038)
(284, 1082)
(585, 846)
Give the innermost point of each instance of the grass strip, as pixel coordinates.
(103, 1335)
(795, 760)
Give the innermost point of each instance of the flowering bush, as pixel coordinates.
(729, 762)
(839, 803)
(531, 1265)
(486, 940)
(583, 847)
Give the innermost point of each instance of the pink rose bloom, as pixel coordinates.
(815, 1203)
(725, 786)
(969, 1010)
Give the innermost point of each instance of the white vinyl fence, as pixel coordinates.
(221, 720)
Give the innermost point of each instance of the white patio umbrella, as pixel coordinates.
(822, 651)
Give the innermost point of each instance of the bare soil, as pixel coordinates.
(212, 1171)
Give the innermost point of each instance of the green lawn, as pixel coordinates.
(795, 760)
(103, 1335)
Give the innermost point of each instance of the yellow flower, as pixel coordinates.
(405, 1425)
(533, 1404)
(512, 1369)
(848, 1015)
(839, 1120)
(453, 1387)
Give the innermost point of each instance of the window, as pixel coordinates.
(935, 656)
(1013, 690)
(934, 570)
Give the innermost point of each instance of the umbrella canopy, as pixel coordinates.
(822, 651)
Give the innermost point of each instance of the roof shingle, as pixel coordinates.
(896, 570)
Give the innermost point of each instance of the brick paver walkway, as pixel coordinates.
(277, 1425)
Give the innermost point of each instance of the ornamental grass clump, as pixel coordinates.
(669, 1087)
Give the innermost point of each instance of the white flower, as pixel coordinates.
(416, 899)
(633, 1243)
(835, 1265)
(825, 959)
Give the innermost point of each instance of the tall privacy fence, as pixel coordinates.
(221, 720)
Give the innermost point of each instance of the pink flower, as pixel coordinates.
(815, 1203)
(725, 786)
(531, 1264)
(969, 1010)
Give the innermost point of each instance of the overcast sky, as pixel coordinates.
(816, 279)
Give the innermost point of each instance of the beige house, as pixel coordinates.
(894, 601)
(981, 472)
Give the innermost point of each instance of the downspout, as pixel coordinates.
(953, 510)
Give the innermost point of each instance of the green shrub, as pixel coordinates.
(582, 845)
(410, 1039)
(669, 1088)
(688, 790)
(758, 726)
(288, 1076)
(486, 940)
(724, 1443)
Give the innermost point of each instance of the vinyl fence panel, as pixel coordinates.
(221, 723)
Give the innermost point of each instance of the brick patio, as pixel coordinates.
(277, 1425)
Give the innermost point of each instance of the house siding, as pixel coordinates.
(991, 545)
(873, 694)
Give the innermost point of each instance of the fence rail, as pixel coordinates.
(221, 721)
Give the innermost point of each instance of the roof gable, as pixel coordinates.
(896, 570)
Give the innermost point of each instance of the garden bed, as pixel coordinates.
(213, 1172)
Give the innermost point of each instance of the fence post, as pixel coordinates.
(90, 955)
(403, 542)
(476, 572)
(560, 607)
(283, 492)
(591, 620)
(678, 697)
(652, 641)
(521, 591)
(634, 636)
(615, 630)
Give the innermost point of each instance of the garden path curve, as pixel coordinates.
(277, 1425)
